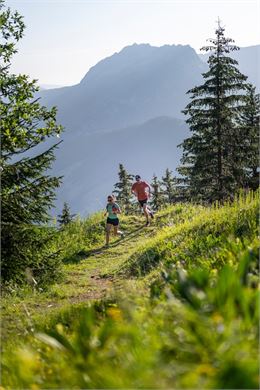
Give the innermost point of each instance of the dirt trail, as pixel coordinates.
(84, 282)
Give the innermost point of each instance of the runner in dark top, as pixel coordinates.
(142, 190)
(112, 210)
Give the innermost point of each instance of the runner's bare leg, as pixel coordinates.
(108, 228)
(117, 232)
(146, 212)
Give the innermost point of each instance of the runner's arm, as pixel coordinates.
(118, 210)
(149, 189)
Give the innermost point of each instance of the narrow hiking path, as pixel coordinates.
(88, 279)
(98, 268)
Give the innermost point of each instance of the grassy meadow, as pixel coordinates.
(174, 305)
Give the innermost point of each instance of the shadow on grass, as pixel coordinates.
(77, 257)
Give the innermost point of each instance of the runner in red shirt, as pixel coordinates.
(142, 191)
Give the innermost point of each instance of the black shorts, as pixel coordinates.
(142, 202)
(113, 221)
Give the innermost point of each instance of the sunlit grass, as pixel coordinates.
(174, 305)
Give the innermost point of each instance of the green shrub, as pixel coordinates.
(34, 263)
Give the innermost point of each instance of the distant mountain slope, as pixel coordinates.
(132, 86)
(90, 162)
(136, 84)
(123, 111)
(43, 87)
(249, 62)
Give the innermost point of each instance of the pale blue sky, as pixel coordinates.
(64, 38)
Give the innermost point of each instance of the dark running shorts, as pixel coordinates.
(142, 202)
(113, 221)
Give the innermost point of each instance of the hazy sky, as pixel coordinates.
(64, 38)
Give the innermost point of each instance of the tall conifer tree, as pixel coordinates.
(169, 186)
(249, 122)
(212, 162)
(123, 189)
(65, 217)
(157, 199)
(27, 191)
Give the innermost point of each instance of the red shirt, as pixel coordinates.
(141, 189)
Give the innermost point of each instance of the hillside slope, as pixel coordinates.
(177, 306)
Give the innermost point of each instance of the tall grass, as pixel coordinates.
(201, 237)
(80, 236)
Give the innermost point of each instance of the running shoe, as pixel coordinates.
(151, 215)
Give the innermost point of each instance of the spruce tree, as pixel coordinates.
(169, 186)
(65, 217)
(123, 189)
(157, 199)
(27, 191)
(212, 161)
(249, 122)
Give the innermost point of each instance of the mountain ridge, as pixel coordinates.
(126, 96)
(137, 88)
